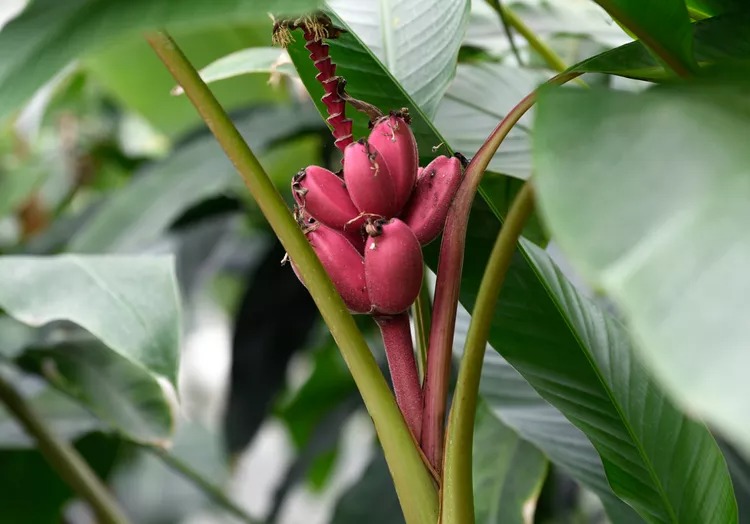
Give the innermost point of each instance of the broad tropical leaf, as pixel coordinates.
(120, 393)
(129, 303)
(417, 41)
(719, 41)
(49, 34)
(664, 27)
(669, 240)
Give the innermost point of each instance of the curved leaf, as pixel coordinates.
(669, 242)
(664, 27)
(532, 325)
(252, 60)
(417, 41)
(129, 303)
(721, 40)
(517, 405)
(479, 97)
(49, 34)
(508, 472)
(120, 393)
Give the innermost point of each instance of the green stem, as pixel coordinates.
(497, 6)
(551, 58)
(458, 500)
(422, 321)
(63, 457)
(216, 493)
(413, 482)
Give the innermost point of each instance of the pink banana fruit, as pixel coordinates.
(393, 267)
(392, 137)
(344, 265)
(436, 187)
(323, 196)
(368, 180)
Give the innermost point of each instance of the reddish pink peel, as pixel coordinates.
(428, 208)
(393, 268)
(323, 196)
(393, 138)
(399, 350)
(344, 264)
(368, 180)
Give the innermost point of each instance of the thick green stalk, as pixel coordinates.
(449, 280)
(63, 458)
(457, 500)
(416, 492)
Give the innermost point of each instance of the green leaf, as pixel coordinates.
(718, 41)
(715, 7)
(479, 97)
(540, 333)
(665, 173)
(417, 41)
(508, 472)
(129, 303)
(138, 214)
(519, 407)
(50, 34)
(119, 392)
(16, 185)
(664, 27)
(253, 60)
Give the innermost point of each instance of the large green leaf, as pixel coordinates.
(663, 26)
(138, 214)
(720, 40)
(49, 34)
(129, 303)
(538, 333)
(508, 472)
(120, 393)
(479, 97)
(417, 41)
(655, 212)
(519, 407)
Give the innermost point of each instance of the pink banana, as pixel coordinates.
(393, 267)
(428, 208)
(323, 196)
(344, 264)
(392, 137)
(368, 180)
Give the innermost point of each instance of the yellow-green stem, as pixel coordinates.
(457, 499)
(414, 487)
(63, 458)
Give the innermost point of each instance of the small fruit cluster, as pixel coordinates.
(368, 226)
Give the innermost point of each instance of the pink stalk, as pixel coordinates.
(340, 125)
(448, 282)
(399, 351)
